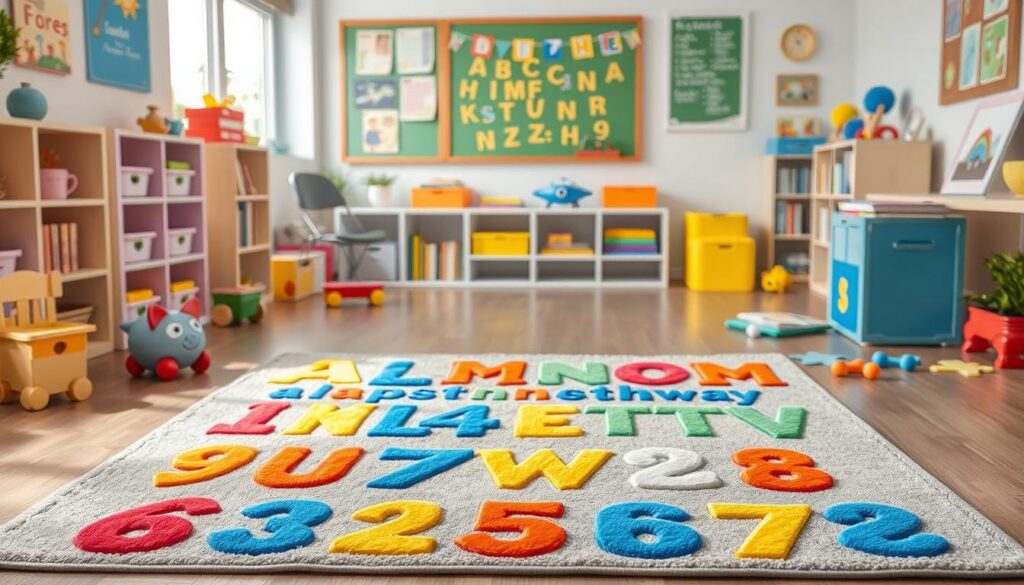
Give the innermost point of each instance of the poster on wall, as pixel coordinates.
(983, 146)
(117, 43)
(44, 43)
(708, 60)
(980, 48)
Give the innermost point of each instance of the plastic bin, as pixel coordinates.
(501, 243)
(135, 181)
(9, 261)
(178, 182)
(179, 298)
(629, 196)
(179, 241)
(133, 311)
(441, 197)
(138, 247)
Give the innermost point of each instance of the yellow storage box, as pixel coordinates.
(294, 277)
(501, 243)
(704, 225)
(720, 256)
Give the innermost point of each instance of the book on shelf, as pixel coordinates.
(60, 247)
(793, 180)
(433, 261)
(244, 225)
(790, 218)
(824, 225)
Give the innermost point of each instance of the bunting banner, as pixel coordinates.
(585, 46)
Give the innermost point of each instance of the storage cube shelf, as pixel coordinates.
(787, 180)
(532, 269)
(140, 205)
(23, 212)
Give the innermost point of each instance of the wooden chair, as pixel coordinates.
(39, 355)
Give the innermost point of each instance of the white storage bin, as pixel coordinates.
(379, 264)
(138, 247)
(179, 241)
(9, 261)
(179, 182)
(178, 299)
(133, 311)
(135, 181)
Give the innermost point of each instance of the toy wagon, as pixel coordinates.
(39, 355)
(335, 292)
(234, 305)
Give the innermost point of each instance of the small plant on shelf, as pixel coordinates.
(338, 181)
(8, 41)
(378, 189)
(996, 319)
(49, 159)
(381, 180)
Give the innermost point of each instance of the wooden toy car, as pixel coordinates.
(335, 292)
(39, 355)
(231, 306)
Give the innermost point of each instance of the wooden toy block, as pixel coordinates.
(231, 306)
(965, 369)
(870, 370)
(39, 355)
(336, 292)
(906, 362)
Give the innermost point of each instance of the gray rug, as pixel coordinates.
(725, 508)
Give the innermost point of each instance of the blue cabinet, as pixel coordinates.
(897, 280)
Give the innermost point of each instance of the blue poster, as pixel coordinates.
(117, 43)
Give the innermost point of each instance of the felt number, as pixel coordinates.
(289, 524)
(670, 469)
(159, 528)
(254, 423)
(619, 528)
(602, 129)
(395, 536)
(279, 471)
(883, 530)
(538, 536)
(205, 463)
(468, 421)
(781, 470)
(776, 533)
(429, 462)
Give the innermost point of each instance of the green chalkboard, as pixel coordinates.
(417, 141)
(542, 103)
(708, 60)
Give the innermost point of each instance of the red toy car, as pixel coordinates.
(335, 292)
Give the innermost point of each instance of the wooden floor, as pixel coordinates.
(967, 432)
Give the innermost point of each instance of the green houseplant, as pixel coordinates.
(996, 319)
(8, 41)
(378, 189)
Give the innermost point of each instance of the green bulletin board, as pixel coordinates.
(708, 75)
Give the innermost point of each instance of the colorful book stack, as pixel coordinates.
(500, 201)
(434, 260)
(60, 247)
(630, 241)
(216, 124)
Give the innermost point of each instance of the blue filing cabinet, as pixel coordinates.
(897, 280)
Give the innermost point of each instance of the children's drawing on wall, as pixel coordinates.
(983, 145)
(994, 7)
(380, 131)
(797, 126)
(419, 99)
(797, 90)
(374, 52)
(414, 49)
(45, 42)
(376, 94)
(993, 50)
(954, 17)
(969, 56)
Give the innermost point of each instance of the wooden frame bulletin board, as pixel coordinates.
(606, 88)
(980, 48)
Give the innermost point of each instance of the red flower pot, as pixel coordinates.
(985, 329)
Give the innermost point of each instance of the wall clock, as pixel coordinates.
(799, 42)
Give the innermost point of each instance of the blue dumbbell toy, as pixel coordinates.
(906, 362)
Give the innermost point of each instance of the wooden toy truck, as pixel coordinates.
(39, 356)
(335, 292)
(233, 305)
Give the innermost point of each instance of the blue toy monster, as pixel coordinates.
(166, 341)
(562, 192)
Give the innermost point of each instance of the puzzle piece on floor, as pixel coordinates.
(965, 369)
(814, 358)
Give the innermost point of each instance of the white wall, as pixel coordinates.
(73, 99)
(714, 172)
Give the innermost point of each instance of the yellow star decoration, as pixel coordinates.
(130, 8)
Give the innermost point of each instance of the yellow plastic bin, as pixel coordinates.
(501, 243)
(720, 256)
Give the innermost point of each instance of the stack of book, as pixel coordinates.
(793, 180)
(630, 241)
(434, 260)
(60, 247)
(790, 218)
(500, 201)
(883, 208)
(216, 124)
(563, 244)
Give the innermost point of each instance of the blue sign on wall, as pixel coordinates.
(117, 43)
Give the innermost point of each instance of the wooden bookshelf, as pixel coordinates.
(869, 166)
(240, 239)
(157, 212)
(23, 212)
(787, 180)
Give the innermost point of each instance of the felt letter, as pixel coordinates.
(788, 423)
(781, 470)
(774, 536)
(627, 394)
(468, 421)
(618, 529)
(883, 530)
(637, 373)
(334, 371)
(507, 474)
(347, 394)
(398, 522)
(537, 393)
(546, 421)
(715, 396)
(673, 395)
(290, 526)
(537, 536)
(494, 393)
(715, 375)
(320, 392)
(618, 420)
(692, 418)
(570, 394)
(393, 423)
(253, 423)
(118, 533)
(555, 373)
(392, 375)
(205, 463)
(423, 394)
(429, 462)
(278, 472)
(463, 372)
(382, 394)
(745, 398)
(340, 422)
(293, 393)
(668, 468)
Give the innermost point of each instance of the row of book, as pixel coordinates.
(791, 218)
(630, 241)
(837, 182)
(60, 247)
(793, 180)
(245, 223)
(434, 260)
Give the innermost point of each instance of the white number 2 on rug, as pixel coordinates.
(668, 468)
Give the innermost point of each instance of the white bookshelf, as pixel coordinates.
(533, 270)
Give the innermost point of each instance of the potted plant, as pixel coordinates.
(996, 319)
(8, 41)
(378, 189)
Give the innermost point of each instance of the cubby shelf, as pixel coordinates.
(533, 269)
(23, 212)
(786, 247)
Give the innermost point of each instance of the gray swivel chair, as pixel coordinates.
(316, 193)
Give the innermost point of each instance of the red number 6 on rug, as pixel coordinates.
(108, 535)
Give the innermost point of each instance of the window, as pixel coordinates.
(234, 57)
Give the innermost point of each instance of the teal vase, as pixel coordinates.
(26, 102)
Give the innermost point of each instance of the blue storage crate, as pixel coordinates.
(799, 146)
(897, 280)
